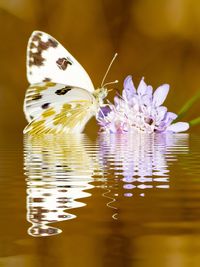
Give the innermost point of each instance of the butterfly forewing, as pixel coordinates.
(49, 61)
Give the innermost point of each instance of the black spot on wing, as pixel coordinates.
(36, 97)
(45, 106)
(36, 57)
(52, 43)
(62, 63)
(46, 80)
(63, 91)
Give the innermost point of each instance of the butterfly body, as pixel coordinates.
(61, 97)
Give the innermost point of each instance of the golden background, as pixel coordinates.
(159, 40)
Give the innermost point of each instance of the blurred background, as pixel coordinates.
(158, 39)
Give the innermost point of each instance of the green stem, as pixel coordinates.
(188, 105)
(195, 121)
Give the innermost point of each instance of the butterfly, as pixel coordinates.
(61, 97)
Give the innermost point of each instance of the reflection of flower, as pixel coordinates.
(142, 162)
(139, 109)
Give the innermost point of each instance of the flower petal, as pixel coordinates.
(103, 112)
(178, 127)
(129, 86)
(149, 90)
(116, 100)
(161, 112)
(166, 121)
(142, 88)
(146, 100)
(160, 94)
(112, 127)
(169, 117)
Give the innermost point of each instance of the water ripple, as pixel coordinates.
(58, 171)
(63, 170)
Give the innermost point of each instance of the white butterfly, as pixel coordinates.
(61, 97)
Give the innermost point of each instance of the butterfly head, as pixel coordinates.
(100, 94)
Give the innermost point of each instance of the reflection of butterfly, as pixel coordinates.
(61, 97)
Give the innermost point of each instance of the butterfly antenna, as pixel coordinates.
(116, 81)
(113, 59)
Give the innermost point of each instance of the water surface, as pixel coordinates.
(120, 200)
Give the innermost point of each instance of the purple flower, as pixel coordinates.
(103, 112)
(139, 109)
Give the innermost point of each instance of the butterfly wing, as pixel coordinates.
(42, 97)
(71, 119)
(48, 60)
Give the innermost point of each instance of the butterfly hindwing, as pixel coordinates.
(49, 61)
(43, 96)
(71, 118)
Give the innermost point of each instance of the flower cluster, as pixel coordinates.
(139, 109)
